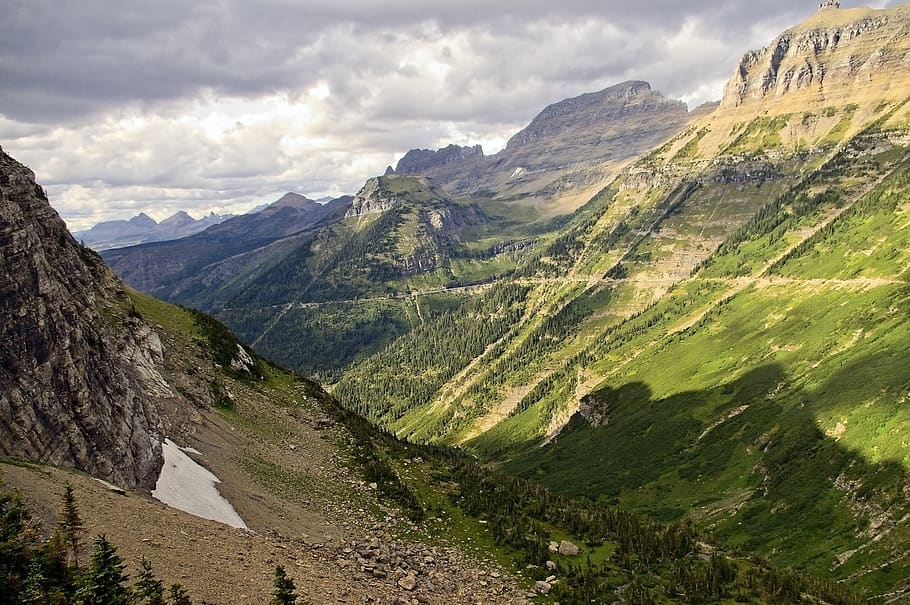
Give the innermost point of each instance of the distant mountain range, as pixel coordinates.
(143, 229)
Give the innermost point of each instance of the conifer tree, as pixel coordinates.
(104, 582)
(148, 590)
(285, 591)
(33, 592)
(179, 596)
(69, 525)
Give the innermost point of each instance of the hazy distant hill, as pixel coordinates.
(142, 228)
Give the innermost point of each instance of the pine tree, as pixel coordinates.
(179, 596)
(69, 524)
(104, 582)
(34, 589)
(285, 591)
(148, 590)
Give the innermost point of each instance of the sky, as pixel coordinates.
(221, 105)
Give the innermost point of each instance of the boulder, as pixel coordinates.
(568, 549)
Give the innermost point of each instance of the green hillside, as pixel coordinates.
(735, 334)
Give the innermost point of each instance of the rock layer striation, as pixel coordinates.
(79, 378)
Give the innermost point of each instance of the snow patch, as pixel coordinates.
(185, 485)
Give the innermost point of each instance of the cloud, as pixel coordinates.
(125, 106)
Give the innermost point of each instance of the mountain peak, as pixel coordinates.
(142, 220)
(837, 55)
(595, 122)
(178, 218)
(417, 161)
(292, 200)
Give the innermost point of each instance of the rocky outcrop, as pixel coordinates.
(442, 164)
(832, 56)
(79, 378)
(372, 199)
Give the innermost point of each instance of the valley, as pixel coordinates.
(641, 355)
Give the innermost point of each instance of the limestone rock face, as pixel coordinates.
(835, 55)
(79, 377)
(371, 199)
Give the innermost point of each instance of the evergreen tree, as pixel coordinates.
(69, 524)
(34, 592)
(18, 540)
(104, 582)
(148, 590)
(285, 591)
(179, 596)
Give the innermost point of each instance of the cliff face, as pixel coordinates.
(835, 55)
(79, 378)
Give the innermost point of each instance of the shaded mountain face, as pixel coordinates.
(168, 268)
(142, 228)
(79, 379)
(564, 148)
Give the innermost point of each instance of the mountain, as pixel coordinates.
(262, 468)
(96, 378)
(417, 234)
(80, 379)
(168, 268)
(142, 228)
(836, 57)
(714, 336)
(568, 151)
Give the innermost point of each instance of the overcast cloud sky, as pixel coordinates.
(123, 106)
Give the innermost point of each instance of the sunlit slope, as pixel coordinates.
(766, 396)
(622, 253)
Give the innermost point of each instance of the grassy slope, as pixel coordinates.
(288, 480)
(758, 350)
(776, 417)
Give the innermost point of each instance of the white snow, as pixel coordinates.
(186, 486)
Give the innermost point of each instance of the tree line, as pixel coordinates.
(36, 570)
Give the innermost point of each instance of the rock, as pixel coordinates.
(828, 56)
(568, 549)
(80, 377)
(553, 547)
(408, 582)
(551, 565)
(542, 587)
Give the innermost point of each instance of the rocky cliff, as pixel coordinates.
(442, 164)
(79, 378)
(837, 54)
